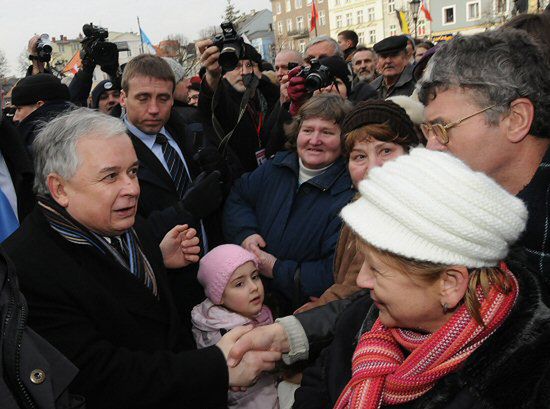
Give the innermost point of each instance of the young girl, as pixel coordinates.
(235, 296)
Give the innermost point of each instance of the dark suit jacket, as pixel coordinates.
(19, 165)
(130, 347)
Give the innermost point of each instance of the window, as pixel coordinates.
(61, 48)
(322, 20)
(288, 25)
(500, 6)
(359, 16)
(319, 1)
(421, 28)
(349, 19)
(449, 15)
(278, 8)
(280, 27)
(393, 30)
(336, 2)
(472, 11)
(338, 21)
(302, 46)
(370, 14)
(361, 37)
(372, 36)
(299, 23)
(288, 5)
(391, 6)
(297, 4)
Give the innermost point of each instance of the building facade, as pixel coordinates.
(365, 17)
(292, 19)
(257, 26)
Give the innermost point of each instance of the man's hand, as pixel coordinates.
(265, 338)
(209, 56)
(37, 66)
(180, 247)
(205, 196)
(266, 261)
(253, 363)
(252, 242)
(283, 90)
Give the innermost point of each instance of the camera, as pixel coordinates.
(231, 46)
(44, 48)
(96, 48)
(317, 76)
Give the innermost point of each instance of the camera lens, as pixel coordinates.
(313, 82)
(229, 58)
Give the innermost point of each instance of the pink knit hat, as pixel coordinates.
(217, 267)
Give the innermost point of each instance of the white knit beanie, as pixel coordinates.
(430, 206)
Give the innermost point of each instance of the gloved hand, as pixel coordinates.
(297, 91)
(205, 196)
(209, 159)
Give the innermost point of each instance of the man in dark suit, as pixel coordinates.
(16, 177)
(173, 189)
(95, 278)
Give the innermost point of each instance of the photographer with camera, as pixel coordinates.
(96, 50)
(237, 98)
(40, 54)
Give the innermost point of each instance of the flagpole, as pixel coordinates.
(140, 37)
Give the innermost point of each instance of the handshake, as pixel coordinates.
(249, 352)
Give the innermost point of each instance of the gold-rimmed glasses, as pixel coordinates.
(440, 130)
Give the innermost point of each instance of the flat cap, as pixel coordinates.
(391, 45)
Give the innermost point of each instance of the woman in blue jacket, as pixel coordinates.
(286, 211)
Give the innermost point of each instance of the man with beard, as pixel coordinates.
(363, 63)
(393, 65)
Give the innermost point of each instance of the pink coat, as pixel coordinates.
(208, 321)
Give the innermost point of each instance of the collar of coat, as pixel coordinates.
(335, 178)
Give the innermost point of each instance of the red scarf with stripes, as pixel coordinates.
(381, 375)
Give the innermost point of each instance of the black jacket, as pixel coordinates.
(34, 374)
(130, 347)
(509, 370)
(20, 167)
(28, 127)
(246, 140)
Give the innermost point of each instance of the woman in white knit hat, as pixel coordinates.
(448, 324)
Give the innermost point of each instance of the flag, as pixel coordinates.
(403, 22)
(146, 42)
(424, 8)
(314, 16)
(74, 64)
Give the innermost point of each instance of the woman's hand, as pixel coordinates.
(180, 247)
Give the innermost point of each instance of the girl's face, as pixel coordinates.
(244, 293)
(369, 154)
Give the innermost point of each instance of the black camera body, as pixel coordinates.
(96, 48)
(317, 76)
(44, 48)
(231, 46)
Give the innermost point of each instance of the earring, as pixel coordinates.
(445, 308)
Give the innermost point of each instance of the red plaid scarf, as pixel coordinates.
(381, 375)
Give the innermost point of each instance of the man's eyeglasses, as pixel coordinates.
(440, 131)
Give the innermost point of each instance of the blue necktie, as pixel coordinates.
(8, 220)
(175, 165)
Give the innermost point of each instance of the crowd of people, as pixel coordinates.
(349, 228)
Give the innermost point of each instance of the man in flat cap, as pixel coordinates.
(393, 65)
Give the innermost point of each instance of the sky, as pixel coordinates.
(19, 21)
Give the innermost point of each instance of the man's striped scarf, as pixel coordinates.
(381, 375)
(73, 231)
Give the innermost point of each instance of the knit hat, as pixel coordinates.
(176, 67)
(339, 68)
(103, 86)
(40, 87)
(217, 267)
(380, 112)
(430, 206)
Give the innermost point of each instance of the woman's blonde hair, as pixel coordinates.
(484, 278)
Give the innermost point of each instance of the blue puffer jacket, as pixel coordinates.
(299, 224)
